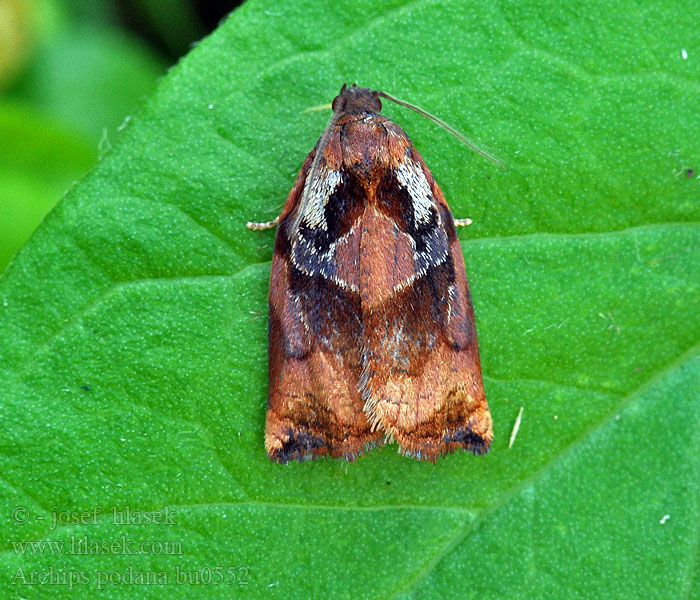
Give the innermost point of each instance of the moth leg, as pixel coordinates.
(262, 226)
(458, 222)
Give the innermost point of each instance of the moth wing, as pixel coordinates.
(423, 382)
(314, 404)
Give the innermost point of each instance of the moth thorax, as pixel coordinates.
(365, 147)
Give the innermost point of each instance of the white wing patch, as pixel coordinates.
(317, 190)
(412, 178)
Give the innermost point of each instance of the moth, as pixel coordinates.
(371, 326)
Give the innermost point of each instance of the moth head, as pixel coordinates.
(356, 99)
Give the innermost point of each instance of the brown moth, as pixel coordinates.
(371, 325)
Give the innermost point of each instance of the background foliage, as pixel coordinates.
(70, 72)
(133, 356)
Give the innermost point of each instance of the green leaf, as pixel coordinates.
(133, 355)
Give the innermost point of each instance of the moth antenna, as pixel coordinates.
(319, 107)
(462, 138)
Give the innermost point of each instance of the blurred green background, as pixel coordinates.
(71, 72)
